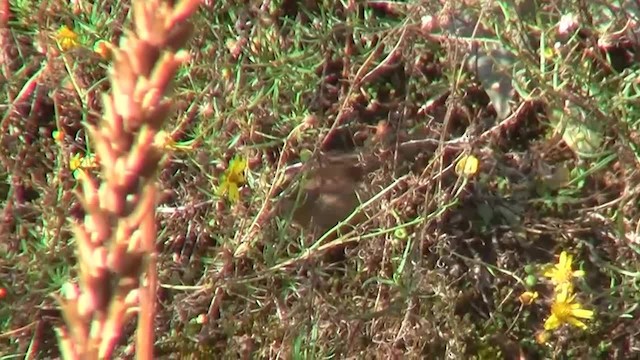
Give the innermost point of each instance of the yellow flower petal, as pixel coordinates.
(238, 164)
(467, 166)
(563, 292)
(552, 323)
(234, 194)
(582, 313)
(67, 38)
(577, 323)
(564, 260)
(236, 170)
(233, 178)
(222, 189)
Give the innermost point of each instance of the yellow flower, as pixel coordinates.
(528, 297)
(75, 162)
(233, 178)
(565, 311)
(67, 38)
(561, 272)
(467, 166)
(79, 162)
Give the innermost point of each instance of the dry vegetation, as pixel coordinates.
(319, 196)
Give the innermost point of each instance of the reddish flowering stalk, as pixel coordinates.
(116, 241)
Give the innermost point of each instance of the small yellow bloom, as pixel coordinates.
(565, 311)
(67, 38)
(528, 297)
(467, 166)
(75, 162)
(561, 273)
(233, 178)
(79, 162)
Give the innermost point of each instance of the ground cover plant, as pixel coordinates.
(351, 179)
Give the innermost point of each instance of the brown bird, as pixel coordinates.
(328, 194)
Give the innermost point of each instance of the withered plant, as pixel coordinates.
(116, 241)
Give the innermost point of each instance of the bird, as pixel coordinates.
(328, 193)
